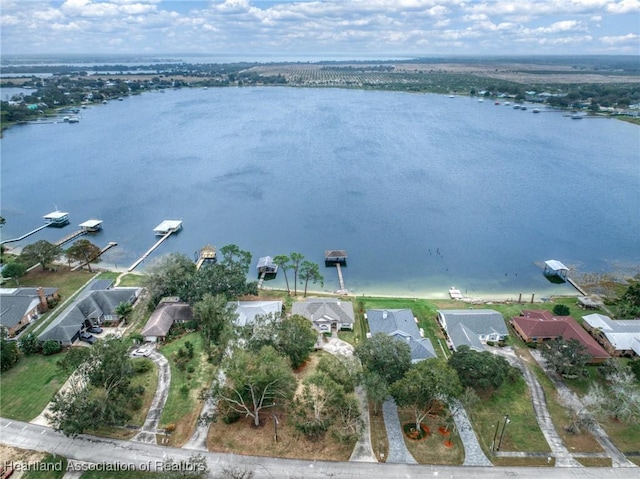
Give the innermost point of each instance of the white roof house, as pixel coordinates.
(622, 335)
(248, 310)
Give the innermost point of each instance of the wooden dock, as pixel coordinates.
(343, 289)
(70, 237)
(261, 279)
(26, 235)
(575, 285)
(102, 251)
(149, 251)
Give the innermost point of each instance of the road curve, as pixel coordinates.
(126, 454)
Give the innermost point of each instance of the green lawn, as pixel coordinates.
(182, 409)
(29, 386)
(522, 432)
(50, 467)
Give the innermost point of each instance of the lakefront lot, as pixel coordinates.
(27, 388)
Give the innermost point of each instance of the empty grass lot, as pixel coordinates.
(29, 386)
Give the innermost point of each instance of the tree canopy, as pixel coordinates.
(426, 384)
(386, 356)
(215, 321)
(101, 392)
(567, 358)
(176, 275)
(481, 371)
(83, 251)
(41, 252)
(256, 381)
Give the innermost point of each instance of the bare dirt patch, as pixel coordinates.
(14, 455)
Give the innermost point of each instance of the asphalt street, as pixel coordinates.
(128, 454)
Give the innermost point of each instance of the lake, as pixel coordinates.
(424, 192)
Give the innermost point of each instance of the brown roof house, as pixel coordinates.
(536, 326)
(168, 311)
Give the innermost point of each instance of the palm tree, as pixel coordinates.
(296, 258)
(282, 261)
(310, 271)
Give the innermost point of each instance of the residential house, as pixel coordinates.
(168, 312)
(403, 326)
(91, 307)
(248, 310)
(620, 337)
(326, 314)
(538, 326)
(21, 306)
(472, 327)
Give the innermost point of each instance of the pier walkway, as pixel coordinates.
(26, 235)
(343, 289)
(149, 251)
(575, 285)
(70, 237)
(261, 279)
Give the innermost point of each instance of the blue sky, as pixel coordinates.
(321, 27)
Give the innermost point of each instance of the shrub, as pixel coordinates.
(51, 347)
(184, 390)
(561, 310)
(141, 366)
(29, 344)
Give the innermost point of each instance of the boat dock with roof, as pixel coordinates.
(57, 218)
(337, 258)
(267, 269)
(166, 229)
(207, 256)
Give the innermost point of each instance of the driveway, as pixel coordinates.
(150, 428)
(362, 451)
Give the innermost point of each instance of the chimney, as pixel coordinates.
(44, 306)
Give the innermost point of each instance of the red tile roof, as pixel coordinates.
(543, 324)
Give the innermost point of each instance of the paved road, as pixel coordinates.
(128, 454)
(150, 427)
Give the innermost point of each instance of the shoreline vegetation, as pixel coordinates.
(606, 86)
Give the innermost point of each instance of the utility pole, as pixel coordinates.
(506, 421)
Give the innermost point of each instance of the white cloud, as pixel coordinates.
(621, 39)
(317, 25)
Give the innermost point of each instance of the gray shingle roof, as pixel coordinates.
(401, 324)
(333, 308)
(91, 306)
(13, 308)
(465, 326)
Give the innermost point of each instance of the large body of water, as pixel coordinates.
(423, 191)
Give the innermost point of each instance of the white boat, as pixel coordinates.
(577, 116)
(455, 293)
(536, 110)
(480, 100)
(507, 103)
